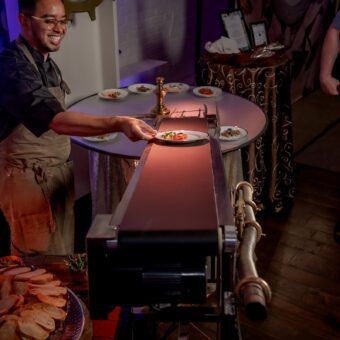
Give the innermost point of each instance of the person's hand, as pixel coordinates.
(330, 85)
(136, 129)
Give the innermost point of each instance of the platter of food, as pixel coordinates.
(181, 136)
(231, 133)
(34, 304)
(207, 91)
(176, 87)
(142, 88)
(113, 94)
(102, 138)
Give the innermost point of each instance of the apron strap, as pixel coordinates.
(63, 84)
(29, 56)
(26, 51)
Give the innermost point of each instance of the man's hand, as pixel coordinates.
(135, 129)
(330, 85)
(329, 53)
(82, 124)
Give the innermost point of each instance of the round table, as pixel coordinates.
(233, 110)
(109, 175)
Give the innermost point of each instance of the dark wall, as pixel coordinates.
(210, 25)
(4, 229)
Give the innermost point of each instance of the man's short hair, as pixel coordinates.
(28, 6)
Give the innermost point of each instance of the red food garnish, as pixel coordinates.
(10, 260)
(206, 91)
(180, 136)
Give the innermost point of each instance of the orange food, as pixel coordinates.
(180, 136)
(206, 91)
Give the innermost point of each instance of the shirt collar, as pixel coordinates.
(37, 56)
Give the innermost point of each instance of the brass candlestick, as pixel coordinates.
(160, 108)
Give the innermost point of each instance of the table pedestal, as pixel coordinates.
(109, 177)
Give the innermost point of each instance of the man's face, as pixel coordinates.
(43, 32)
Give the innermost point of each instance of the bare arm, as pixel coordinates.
(329, 53)
(81, 124)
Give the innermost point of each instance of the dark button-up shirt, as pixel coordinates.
(336, 21)
(24, 94)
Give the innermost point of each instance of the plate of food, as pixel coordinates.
(207, 91)
(142, 88)
(113, 94)
(181, 136)
(176, 87)
(34, 304)
(230, 133)
(101, 138)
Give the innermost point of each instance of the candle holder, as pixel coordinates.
(160, 108)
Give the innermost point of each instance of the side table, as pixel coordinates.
(268, 162)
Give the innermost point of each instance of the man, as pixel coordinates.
(36, 177)
(329, 54)
(329, 83)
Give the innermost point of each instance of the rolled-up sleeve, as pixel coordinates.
(336, 21)
(24, 97)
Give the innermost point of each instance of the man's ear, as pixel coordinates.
(23, 20)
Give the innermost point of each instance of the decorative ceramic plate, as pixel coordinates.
(142, 88)
(113, 94)
(75, 320)
(102, 138)
(230, 133)
(207, 91)
(176, 87)
(181, 136)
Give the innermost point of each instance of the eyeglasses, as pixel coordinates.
(51, 22)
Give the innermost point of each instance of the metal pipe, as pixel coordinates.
(252, 290)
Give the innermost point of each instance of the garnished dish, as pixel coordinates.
(173, 135)
(181, 136)
(230, 133)
(113, 94)
(142, 88)
(176, 87)
(207, 91)
(33, 304)
(102, 138)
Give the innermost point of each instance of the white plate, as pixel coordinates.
(242, 133)
(102, 138)
(137, 88)
(120, 94)
(176, 87)
(75, 320)
(192, 136)
(213, 91)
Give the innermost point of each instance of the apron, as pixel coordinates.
(37, 187)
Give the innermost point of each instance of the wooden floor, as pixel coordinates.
(301, 262)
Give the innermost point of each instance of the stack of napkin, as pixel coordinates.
(223, 45)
